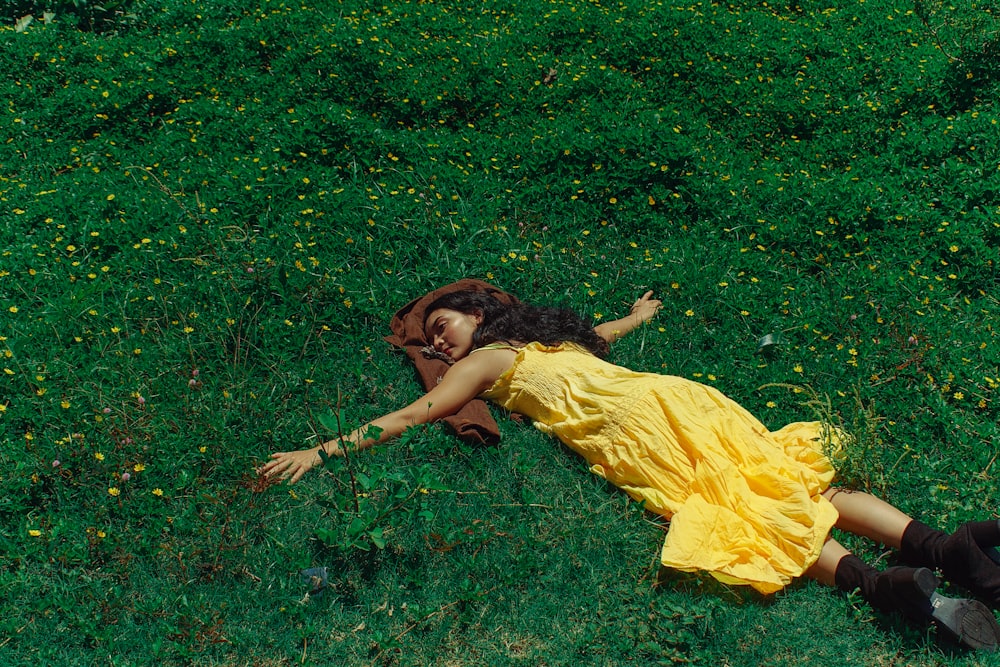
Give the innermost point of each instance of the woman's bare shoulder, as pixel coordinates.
(487, 364)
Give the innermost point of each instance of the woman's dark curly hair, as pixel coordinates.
(521, 323)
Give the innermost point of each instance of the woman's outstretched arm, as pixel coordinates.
(463, 382)
(642, 310)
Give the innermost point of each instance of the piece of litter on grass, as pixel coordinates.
(769, 343)
(316, 578)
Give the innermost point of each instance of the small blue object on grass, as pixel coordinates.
(316, 577)
(769, 344)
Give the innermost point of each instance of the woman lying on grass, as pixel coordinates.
(747, 505)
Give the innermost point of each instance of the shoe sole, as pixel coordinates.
(969, 622)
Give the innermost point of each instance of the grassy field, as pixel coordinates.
(211, 210)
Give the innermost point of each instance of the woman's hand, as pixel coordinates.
(642, 310)
(646, 307)
(293, 465)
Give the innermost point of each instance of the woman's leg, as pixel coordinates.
(868, 516)
(824, 570)
(910, 592)
(967, 558)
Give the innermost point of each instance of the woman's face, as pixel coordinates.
(450, 331)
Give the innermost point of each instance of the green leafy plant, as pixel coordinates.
(377, 501)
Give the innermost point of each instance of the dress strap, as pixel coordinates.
(496, 346)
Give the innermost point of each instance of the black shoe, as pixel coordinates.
(912, 592)
(968, 557)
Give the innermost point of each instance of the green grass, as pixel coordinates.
(217, 207)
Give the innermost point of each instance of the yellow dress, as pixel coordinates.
(744, 503)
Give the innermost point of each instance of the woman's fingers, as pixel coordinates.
(646, 306)
(279, 463)
(646, 299)
(290, 465)
(293, 465)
